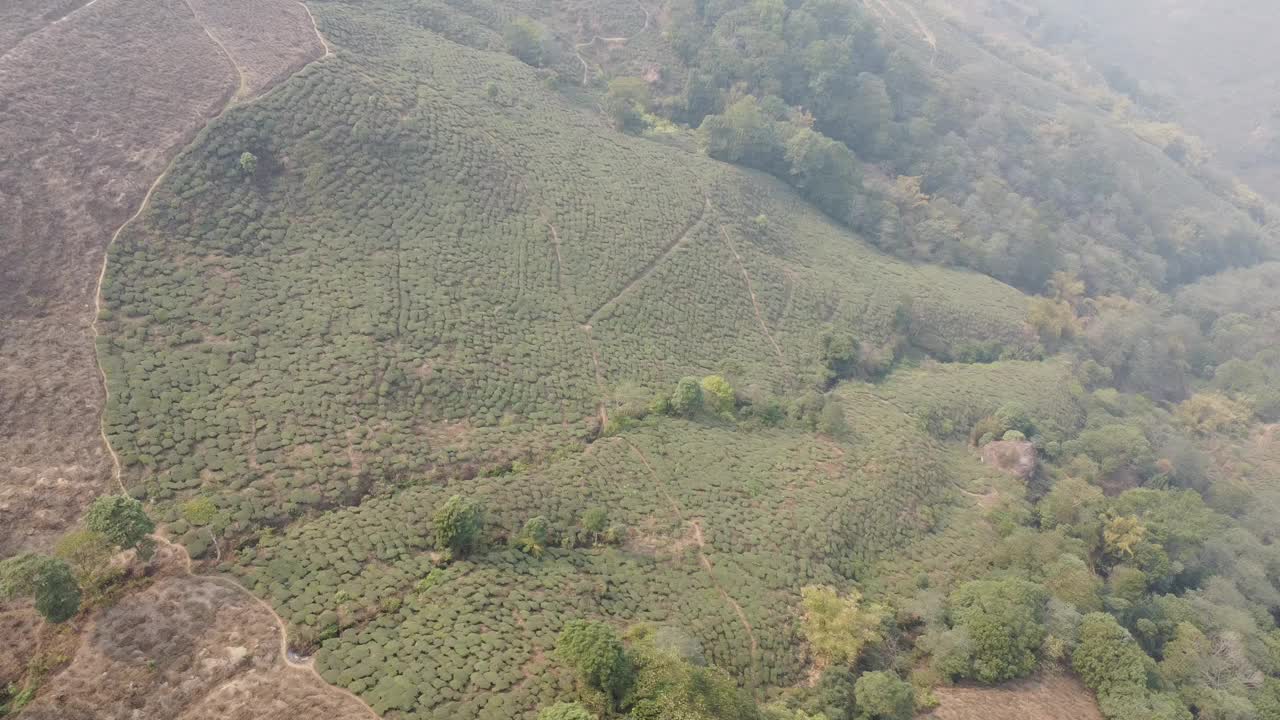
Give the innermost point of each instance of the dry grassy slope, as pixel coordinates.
(190, 648)
(92, 107)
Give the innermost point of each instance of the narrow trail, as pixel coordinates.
(603, 405)
(586, 69)
(924, 31)
(755, 304)
(116, 468)
(23, 40)
(243, 89)
(703, 560)
(653, 264)
(328, 51)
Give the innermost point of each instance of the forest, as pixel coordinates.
(703, 360)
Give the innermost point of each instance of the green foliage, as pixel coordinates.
(49, 581)
(596, 655)
(839, 629)
(1003, 620)
(88, 555)
(534, 535)
(885, 696)
(458, 526)
(248, 164)
(565, 711)
(717, 394)
(529, 41)
(666, 686)
(199, 511)
(120, 519)
(1107, 659)
(687, 400)
(627, 102)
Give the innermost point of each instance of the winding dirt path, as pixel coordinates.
(703, 560)
(586, 69)
(241, 91)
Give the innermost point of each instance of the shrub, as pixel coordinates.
(687, 400)
(120, 519)
(1004, 621)
(1107, 658)
(838, 629)
(717, 394)
(47, 580)
(565, 711)
(458, 526)
(595, 653)
(885, 696)
(529, 41)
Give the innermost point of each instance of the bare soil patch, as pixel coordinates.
(187, 647)
(1045, 697)
(264, 52)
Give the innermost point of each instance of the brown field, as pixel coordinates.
(187, 647)
(1045, 697)
(93, 105)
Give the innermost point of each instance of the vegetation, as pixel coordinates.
(462, 302)
(48, 581)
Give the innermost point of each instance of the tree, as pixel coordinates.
(49, 581)
(687, 400)
(594, 651)
(1053, 320)
(533, 537)
(824, 171)
(565, 711)
(1072, 502)
(832, 421)
(627, 102)
(1122, 535)
(744, 135)
(839, 629)
(884, 696)
(248, 164)
(1004, 621)
(458, 526)
(122, 520)
(595, 521)
(88, 554)
(717, 394)
(1107, 658)
(529, 41)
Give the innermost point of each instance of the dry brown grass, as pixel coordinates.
(1045, 697)
(187, 647)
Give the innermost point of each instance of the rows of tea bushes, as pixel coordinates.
(768, 512)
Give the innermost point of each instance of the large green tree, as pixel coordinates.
(458, 526)
(120, 519)
(596, 654)
(1004, 622)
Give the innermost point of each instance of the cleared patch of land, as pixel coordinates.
(187, 647)
(1046, 697)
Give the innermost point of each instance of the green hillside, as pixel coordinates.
(699, 322)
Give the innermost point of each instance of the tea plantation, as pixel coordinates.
(423, 269)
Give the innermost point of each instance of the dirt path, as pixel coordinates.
(755, 304)
(586, 69)
(653, 264)
(241, 91)
(603, 405)
(920, 27)
(703, 560)
(328, 51)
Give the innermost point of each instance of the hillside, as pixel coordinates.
(592, 359)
